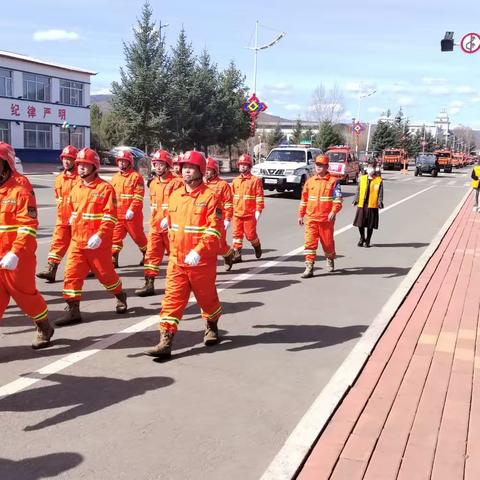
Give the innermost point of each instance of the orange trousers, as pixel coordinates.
(62, 235)
(134, 228)
(315, 231)
(157, 246)
(244, 226)
(19, 284)
(181, 281)
(224, 247)
(80, 261)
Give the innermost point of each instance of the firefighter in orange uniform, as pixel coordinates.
(62, 234)
(18, 230)
(94, 213)
(194, 223)
(248, 205)
(129, 190)
(161, 186)
(224, 192)
(176, 166)
(320, 203)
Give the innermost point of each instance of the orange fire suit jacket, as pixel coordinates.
(94, 211)
(129, 190)
(224, 192)
(194, 221)
(18, 219)
(64, 184)
(320, 196)
(247, 195)
(160, 191)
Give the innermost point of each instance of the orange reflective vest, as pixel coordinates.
(129, 190)
(247, 195)
(18, 219)
(94, 210)
(320, 196)
(375, 185)
(224, 192)
(160, 191)
(64, 184)
(194, 223)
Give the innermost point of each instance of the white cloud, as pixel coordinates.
(433, 80)
(280, 89)
(454, 110)
(465, 90)
(438, 90)
(359, 87)
(55, 35)
(293, 107)
(457, 104)
(405, 100)
(375, 109)
(395, 88)
(101, 91)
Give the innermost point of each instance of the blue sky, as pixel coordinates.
(388, 46)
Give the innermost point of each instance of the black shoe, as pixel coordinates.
(361, 242)
(367, 244)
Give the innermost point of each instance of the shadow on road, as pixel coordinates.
(400, 245)
(386, 272)
(36, 468)
(85, 395)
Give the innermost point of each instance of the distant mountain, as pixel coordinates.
(103, 101)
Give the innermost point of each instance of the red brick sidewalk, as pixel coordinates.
(414, 411)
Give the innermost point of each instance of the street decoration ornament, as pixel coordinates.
(470, 43)
(358, 128)
(253, 106)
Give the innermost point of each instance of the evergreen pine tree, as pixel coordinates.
(297, 133)
(308, 135)
(140, 96)
(96, 115)
(385, 136)
(275, 136)
(327, 136)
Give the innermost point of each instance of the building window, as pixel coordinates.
(36, 87)
(4, 131)
(77, 137)
(37, 135)
(5, 83)
(71, 93)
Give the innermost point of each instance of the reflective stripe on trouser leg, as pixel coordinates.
(326, 230)
(135, 230)
(156, 246)
(20, 285)
(61, 238)
(311, 240)
(100, 263)
(76, 270)
(250, 228)
(177, 293)
(119, 233)
(237, 233)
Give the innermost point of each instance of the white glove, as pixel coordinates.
(70, 220)
(9, 261)
(192, 258)
(226, 224)
(257, 215)
(129, 214)
(94, 242)
(164, 223)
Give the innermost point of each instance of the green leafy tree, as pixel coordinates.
(328, 135)
(232, 122)
(275, 136)
(140, 96)
(182, 94)
(297, 133)
(96, 140)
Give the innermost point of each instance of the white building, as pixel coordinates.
(38, 100)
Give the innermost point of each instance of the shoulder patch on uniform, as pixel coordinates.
(32, 212)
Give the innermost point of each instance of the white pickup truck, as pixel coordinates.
(287, 168)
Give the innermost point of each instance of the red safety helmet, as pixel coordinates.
(7, 153)
(162, 156)
(195, 158)
(69, 152)
(322, 159)
(88, 155)
(124, 155)
(245, 159)
(213, 164)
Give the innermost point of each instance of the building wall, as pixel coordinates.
(17, 110)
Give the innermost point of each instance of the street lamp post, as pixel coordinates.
(360, 97)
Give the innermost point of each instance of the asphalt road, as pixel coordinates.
(93, 406)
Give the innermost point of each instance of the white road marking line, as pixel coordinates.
(69, 360)
(467, 184)
(291, 456)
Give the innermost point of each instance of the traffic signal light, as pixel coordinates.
(446, 45)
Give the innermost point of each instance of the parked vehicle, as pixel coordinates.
(142, 162)
(445, 160)
(287, 168)
(426, 163)
(343, 163)
(394, 159)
